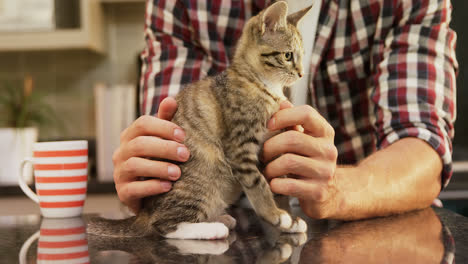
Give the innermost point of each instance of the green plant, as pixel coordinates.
(24, 107)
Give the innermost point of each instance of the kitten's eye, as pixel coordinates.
(288, 56)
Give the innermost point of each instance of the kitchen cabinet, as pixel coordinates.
(89, 34)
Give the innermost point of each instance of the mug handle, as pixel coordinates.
(22, 182)
(24, 249)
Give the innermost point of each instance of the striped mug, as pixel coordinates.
(61, 174)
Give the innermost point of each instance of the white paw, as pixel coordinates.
(200, 247)
(299, 226)
(286, 251)
(199, 231)
(218, 231)
(285, 221)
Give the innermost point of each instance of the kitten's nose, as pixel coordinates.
(300, 74)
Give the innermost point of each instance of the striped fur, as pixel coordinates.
(225, 119)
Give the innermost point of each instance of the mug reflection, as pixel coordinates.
(59, 241)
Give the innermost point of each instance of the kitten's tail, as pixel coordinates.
(115, 228)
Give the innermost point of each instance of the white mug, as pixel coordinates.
(61, 174)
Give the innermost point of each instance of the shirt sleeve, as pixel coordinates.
(415, 80)
(185, 41)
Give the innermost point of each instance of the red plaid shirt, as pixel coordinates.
(381, 70)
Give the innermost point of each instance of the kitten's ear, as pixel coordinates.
(295, 18)
(274, 17)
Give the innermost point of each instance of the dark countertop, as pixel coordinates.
(427, 236)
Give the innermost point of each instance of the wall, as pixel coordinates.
(68, 76)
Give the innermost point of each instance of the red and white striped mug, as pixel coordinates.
(61, 174)
(60, 241)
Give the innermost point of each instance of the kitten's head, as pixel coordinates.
(272, 45)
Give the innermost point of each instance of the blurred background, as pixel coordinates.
(455, 196)
(78, 62)
(70, 68)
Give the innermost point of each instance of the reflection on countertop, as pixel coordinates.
(426, 236)
(416, 237)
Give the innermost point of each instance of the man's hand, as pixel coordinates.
(149, 137)
(306, 154)
(384, 183)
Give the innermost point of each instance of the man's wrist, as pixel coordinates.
(348, 194)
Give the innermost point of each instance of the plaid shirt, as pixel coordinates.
(381, 70)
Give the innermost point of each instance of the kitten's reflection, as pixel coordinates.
(416, 237)
(252, 241)
(145, 250)
(249, 249)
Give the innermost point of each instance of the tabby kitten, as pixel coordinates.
(225, 119)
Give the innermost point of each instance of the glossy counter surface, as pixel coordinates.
(427, 236)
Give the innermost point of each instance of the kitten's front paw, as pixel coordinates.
(289, 226)
(285, 221)
(299, 226)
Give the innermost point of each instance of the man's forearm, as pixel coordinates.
(402, 177)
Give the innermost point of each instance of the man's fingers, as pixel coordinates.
(136, 167)
(299, 143)
(288, 186)
(139, 189)
(132, 192)
(313, 123)
(287, 104)
(145, 146)
(152, 126)
(301, 189)
(167, 108)
(300, 166)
